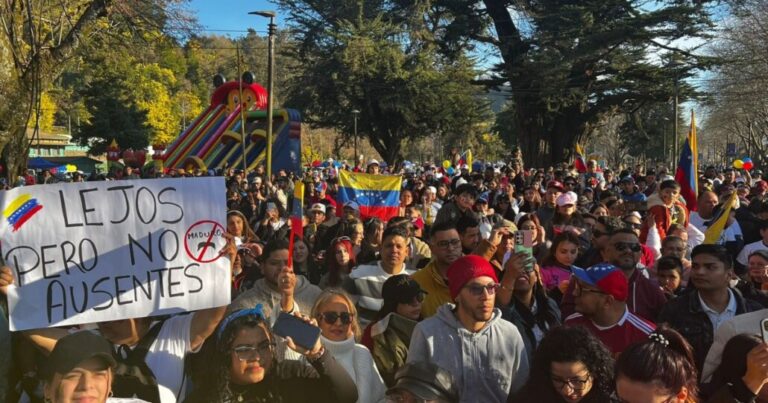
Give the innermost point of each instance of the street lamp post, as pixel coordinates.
(270, 83)
(355, 112)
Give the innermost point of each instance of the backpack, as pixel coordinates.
(133, 378)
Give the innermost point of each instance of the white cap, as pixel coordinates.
(318, 207)
(372, 162)
(432, 189)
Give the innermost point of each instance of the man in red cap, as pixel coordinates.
(483, 352)
(601, 293)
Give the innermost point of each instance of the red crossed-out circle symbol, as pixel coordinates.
(205, 242)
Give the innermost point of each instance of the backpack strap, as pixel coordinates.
(139, 353)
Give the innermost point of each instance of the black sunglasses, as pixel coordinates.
(331, 317)
(633, 246)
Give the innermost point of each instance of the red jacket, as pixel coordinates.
(663, 217)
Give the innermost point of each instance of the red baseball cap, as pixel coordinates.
(466, 268)
(556, 184)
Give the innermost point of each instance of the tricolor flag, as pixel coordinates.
(377, 195)
(20, 210)
(714, 232)
(297, 218)
(578, 162)
(687, 168)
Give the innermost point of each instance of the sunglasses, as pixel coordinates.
(478, 290)
(622, 246)
(342, 238)
(448, 243)
(251, 352)
(331, 317)
(632, 225)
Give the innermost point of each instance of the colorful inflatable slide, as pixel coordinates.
(214, 139)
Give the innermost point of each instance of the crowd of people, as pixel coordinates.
(621, 296)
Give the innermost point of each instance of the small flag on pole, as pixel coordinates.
(687, 168)
(297, 218)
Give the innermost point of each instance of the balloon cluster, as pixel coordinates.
(745, 163)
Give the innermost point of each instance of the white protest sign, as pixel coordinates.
(101, 251)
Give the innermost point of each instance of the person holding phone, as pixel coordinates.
(339, 332)
(244, 367)
(524, 301)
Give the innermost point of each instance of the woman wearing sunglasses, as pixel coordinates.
(570, 365)
(337, 317)
(389, 335)
(243, 367)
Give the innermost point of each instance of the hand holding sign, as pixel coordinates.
(6, 279)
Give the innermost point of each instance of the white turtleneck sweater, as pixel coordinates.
(357, 360)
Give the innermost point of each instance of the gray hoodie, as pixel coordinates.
(304, 296)
(485, 365)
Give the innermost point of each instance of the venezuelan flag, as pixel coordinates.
(297, 218)
(377, 195)
(714, 232)
(21, 210)
(578, 162)
(687, 168)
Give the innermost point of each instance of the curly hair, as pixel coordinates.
(214, 386)
(570, 344)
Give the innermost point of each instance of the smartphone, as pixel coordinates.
(302, 333)
(764, 329)
(524, 243)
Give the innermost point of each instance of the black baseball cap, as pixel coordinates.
(401, 288)
(75, 348)
(426, 381)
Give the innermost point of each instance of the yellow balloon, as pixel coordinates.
(71, 168)
(738, 164)
(446, 164)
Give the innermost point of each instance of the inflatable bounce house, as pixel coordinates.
(214, 139)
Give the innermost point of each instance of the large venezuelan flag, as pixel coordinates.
(377, 195)
(687, 168)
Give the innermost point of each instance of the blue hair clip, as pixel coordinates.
(257, 311)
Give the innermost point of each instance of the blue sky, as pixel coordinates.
(220, 16)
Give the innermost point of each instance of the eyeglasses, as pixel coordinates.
(251, 352)
(478, 290)
(449, 243)
(574, 383)
(331, 317)
(578, 289)
(622, 246)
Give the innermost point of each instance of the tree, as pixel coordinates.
(738, 109)
(361, 56)
(571, 65)
(114, 116)
(41, 40)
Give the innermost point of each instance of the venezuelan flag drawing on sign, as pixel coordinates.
(21, 210)
(687, 168)
(377, 195)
